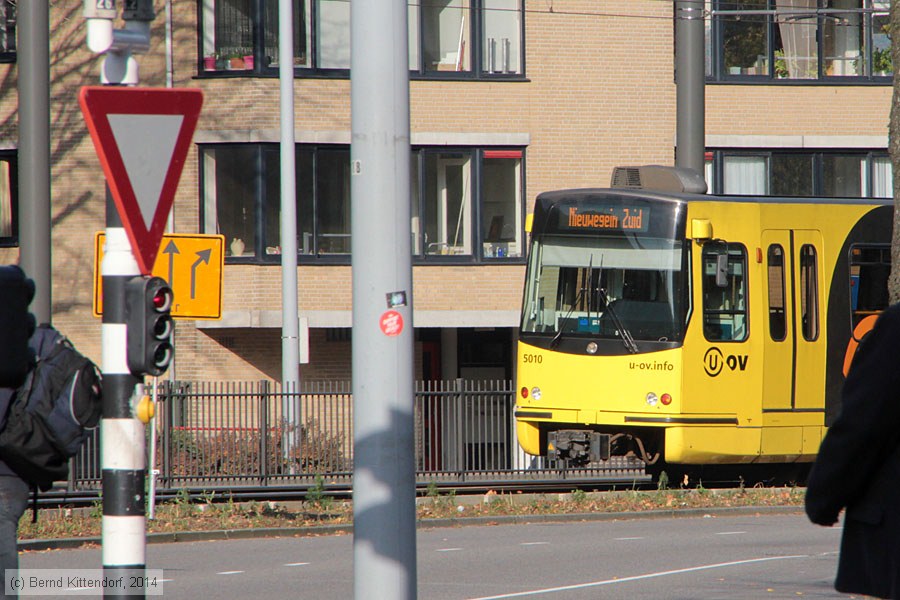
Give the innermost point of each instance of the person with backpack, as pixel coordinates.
(43, 423)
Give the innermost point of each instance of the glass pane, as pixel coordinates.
(745, 39)
(870, 267)
(641, 278)
(792, 175)
(232, 33)
(7, 26)
(305, 200)
(301, 33)
(412, 24)
(7, 168)
(843, 176)
(881, 43)
(272, 203)
(333, 201)
(796, 49)
(446, 32)
(501, 42)
(777, 323)
(448, 204)
(414, 209)
(229, 179)
(809, 293)
(882, 183)
(744, 175)
(843, 42)
(724, 292)
(501, 212)
(333, 34)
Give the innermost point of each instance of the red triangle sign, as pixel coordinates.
(142, 136)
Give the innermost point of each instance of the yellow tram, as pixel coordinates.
(692, 329)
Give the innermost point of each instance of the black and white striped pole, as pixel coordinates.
(123, 459)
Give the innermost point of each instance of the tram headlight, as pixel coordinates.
(536, 393)
(652, 399)
(591, 348)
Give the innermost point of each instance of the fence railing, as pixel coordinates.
(262, 434)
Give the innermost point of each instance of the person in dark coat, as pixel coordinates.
(858, 467)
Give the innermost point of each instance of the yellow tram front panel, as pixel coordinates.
(591, 390)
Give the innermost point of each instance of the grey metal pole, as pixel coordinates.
(384, 543)
(33, 56)
(690, 82)
(290, 323)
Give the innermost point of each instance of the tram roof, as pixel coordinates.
(559, 195)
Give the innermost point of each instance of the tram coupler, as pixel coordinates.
(580, 446)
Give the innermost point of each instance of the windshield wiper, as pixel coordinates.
(562, 324)
(627, 339)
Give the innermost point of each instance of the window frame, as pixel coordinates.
(11, 157)
(209, 216)
(869, 158)
(312, 70)
(715, 48)
(8, 51)
(739, 257)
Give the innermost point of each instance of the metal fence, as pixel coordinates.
(234, 434)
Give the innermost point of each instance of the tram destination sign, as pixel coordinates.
(606, 217)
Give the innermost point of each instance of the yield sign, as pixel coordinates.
(142, 136)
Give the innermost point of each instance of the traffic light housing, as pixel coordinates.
(16, 326)
(148, 302)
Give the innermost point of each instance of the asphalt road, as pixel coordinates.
(747, 556)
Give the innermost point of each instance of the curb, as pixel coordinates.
(236, 534)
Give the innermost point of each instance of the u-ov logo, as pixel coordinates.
(714, 361)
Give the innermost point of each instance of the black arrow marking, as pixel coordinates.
(203, 257)
(171, 249)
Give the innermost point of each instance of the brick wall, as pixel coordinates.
(599, 93)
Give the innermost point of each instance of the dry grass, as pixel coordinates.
(215, 513)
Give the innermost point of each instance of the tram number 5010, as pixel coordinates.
(535, 359)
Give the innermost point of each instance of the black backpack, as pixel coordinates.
(52, 413)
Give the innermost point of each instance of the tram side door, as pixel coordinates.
(778, 347)
(794, 346)
(809, 321)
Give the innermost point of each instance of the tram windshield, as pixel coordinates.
(605, 286)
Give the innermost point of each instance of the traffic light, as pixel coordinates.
(150, 326)
(16, 326)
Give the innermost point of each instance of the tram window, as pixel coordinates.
(870, 267)
(725, 306)
(777, 323)
(809, 293)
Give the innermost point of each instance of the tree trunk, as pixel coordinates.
(894, 150)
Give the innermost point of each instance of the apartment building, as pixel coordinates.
(508, 98)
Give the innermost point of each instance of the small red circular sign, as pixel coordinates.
(391, 323)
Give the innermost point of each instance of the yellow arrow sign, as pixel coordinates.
(193, 265)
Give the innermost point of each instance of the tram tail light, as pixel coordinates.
(666, 399)
(524, 392)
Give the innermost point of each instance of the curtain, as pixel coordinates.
(798, 37)
(745, 175)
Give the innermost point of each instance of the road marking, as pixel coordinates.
(534, 543)
(229, 572)
(448, 549)
(627, 538)
(730, 532)
(295, 564)
(582, 586)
